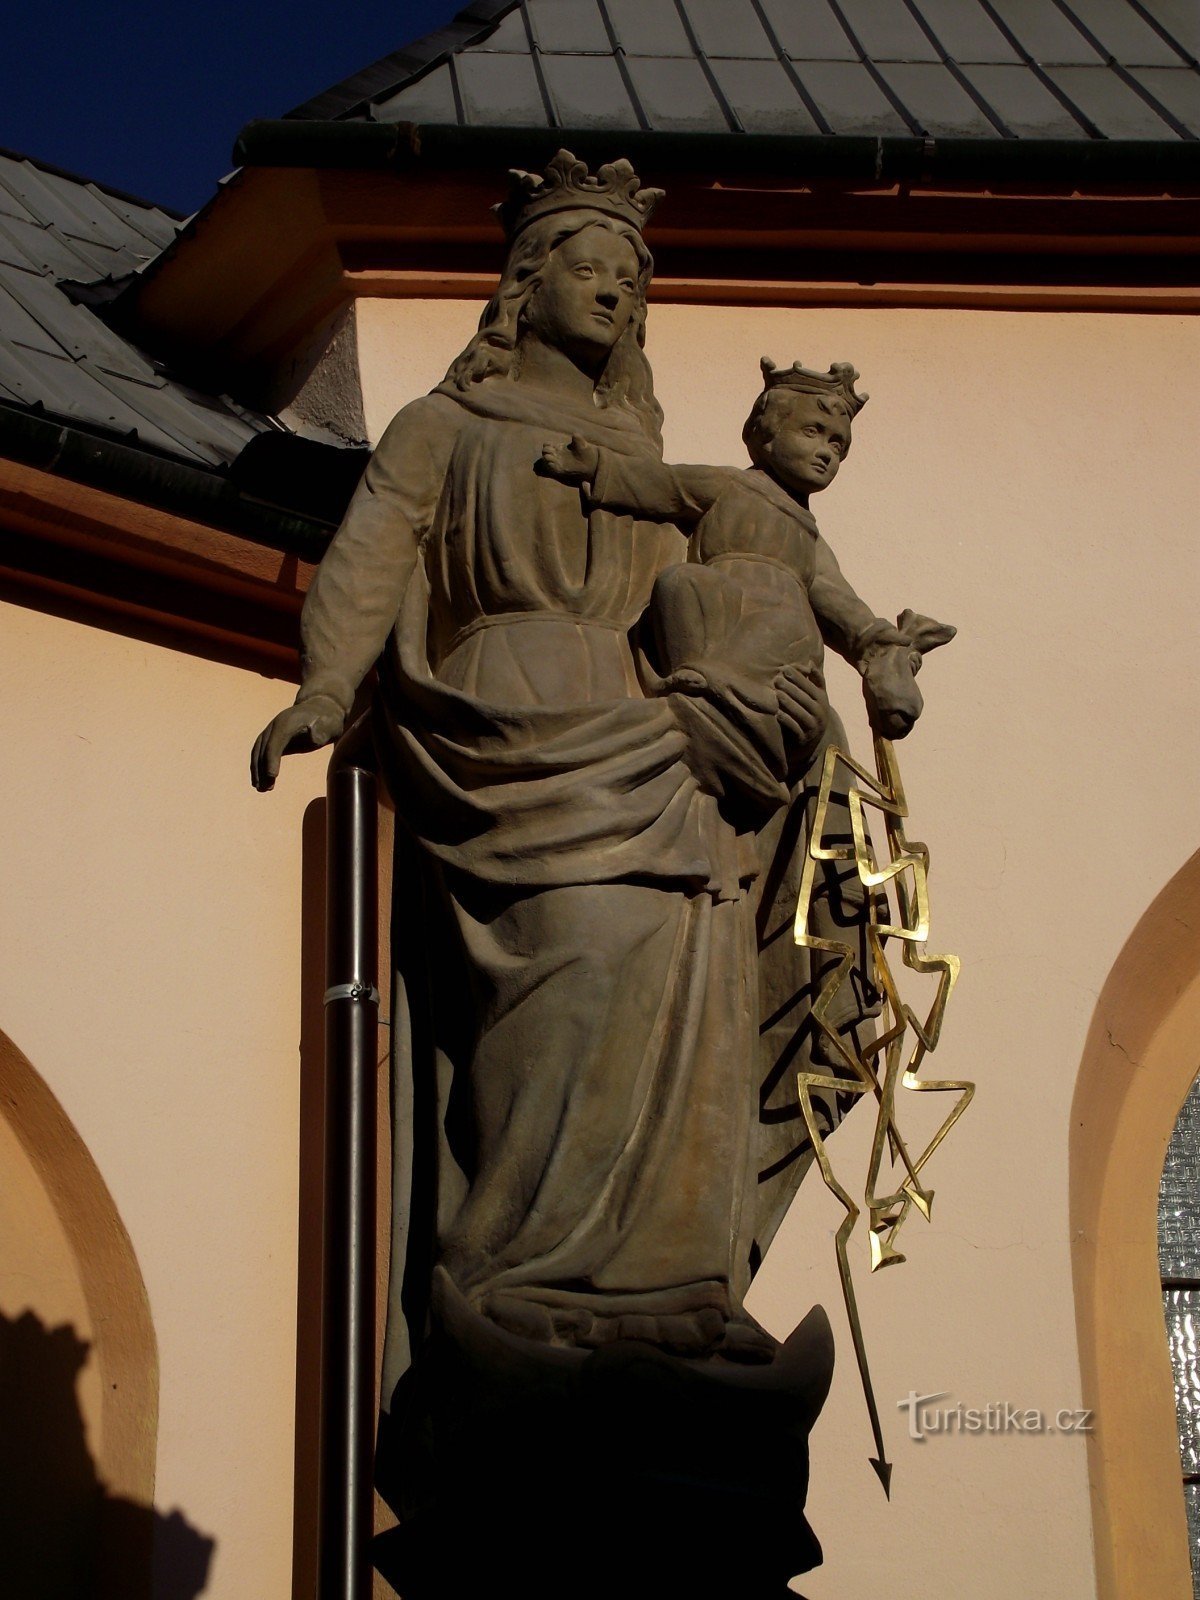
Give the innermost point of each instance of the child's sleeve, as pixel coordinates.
(847, 623)
(651, 489)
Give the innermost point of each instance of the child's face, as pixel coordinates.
(809, 442)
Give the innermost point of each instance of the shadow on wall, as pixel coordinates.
(62, 1535)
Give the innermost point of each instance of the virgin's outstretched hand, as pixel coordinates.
(307, 726)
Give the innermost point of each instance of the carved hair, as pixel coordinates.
(832, 390)
(769, 413)
(494, 351)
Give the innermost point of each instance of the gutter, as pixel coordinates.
(412, 147)
(198, 493)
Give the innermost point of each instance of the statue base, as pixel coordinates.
(579, 1475)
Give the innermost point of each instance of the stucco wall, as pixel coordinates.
(1033, 479)
(149, 969)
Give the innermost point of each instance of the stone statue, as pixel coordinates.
(602, 759)
(761, 590)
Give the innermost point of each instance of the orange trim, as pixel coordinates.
(387, 284)
(185, 582)
(79, 515)
(281, 250)
(159, 624)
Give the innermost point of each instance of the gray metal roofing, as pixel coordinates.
(57, 357)
(992, 69)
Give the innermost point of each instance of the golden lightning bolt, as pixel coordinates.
(879, 1066)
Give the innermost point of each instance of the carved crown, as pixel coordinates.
(839, 381)
(567, 185)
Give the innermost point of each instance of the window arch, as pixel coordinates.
(1138, 1064)
(93, 1310)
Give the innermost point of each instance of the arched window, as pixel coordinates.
(1179, 1263)
(78, 1362)
(1139, 1062)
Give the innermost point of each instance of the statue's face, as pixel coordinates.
(587, 294)
(809, 442)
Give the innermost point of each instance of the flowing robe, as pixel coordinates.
(583, 1137)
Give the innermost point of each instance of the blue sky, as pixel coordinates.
(148, 95)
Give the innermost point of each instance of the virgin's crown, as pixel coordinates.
(839, 381)
(566, 185)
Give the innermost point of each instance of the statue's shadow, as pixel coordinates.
(62, 1534)
(621, 1472)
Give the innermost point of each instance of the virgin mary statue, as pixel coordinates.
(597, 1010)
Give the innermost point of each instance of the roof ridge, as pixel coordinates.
(700, 67)
(413, 60)
(56, 171)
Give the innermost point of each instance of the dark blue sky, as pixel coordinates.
(148, 95)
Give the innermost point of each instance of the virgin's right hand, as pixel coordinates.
(306, 726)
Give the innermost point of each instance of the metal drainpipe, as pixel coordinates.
(348, 1247)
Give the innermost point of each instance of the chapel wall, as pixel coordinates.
(150, 965)
(1028, 477)
(1032, 478)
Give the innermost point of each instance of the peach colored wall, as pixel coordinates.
(149, 968)
(1032, 478)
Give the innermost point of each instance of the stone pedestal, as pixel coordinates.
(620, 1473)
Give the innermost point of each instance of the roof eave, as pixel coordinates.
(178, 488)
(1134, 164)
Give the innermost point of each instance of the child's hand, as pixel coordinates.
(890, 668)
(577, 462)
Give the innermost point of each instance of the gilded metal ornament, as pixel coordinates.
(893, 1058)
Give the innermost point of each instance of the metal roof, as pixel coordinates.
(986, 69)
(57, 357)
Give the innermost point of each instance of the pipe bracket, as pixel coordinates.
(352, 991)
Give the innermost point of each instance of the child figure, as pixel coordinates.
(762, 593)
(743, 623)
(738, 632)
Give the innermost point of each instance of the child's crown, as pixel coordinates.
(566, 185)
(839, 381)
